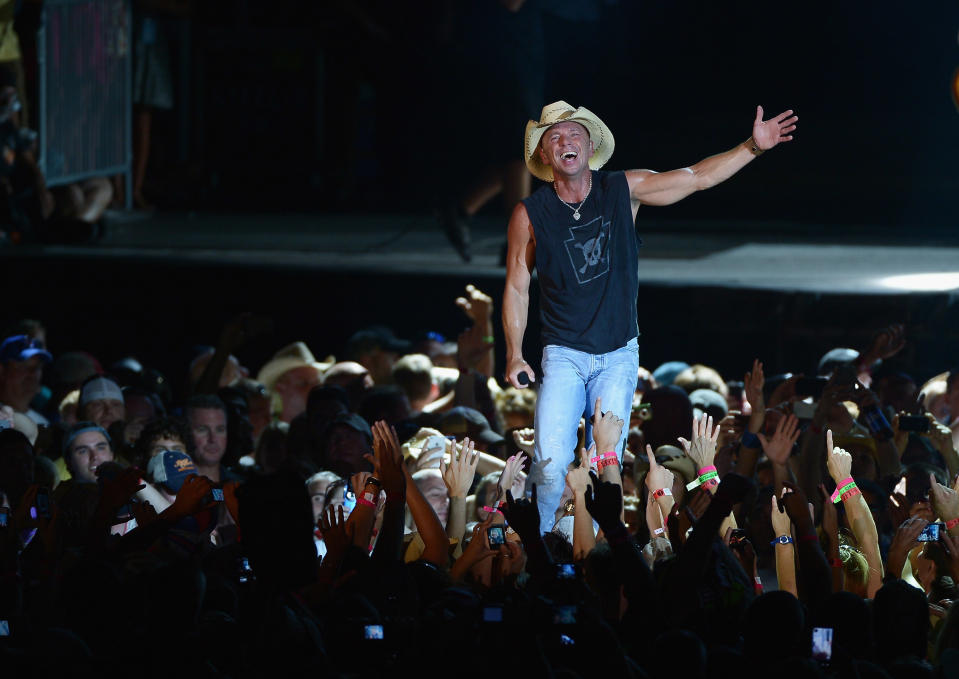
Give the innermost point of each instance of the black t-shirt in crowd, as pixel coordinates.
(588, 268)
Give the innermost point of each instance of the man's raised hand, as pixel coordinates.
(766, 134)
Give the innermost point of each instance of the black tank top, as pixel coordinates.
(587, 268)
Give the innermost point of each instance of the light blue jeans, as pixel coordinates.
(571, 382)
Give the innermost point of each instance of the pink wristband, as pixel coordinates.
(952, 523)
(490, 510)
(839, 486)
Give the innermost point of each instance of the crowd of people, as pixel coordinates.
(372, 515)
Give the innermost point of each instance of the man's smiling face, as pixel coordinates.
(567, 148)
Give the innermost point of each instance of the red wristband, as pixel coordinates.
(661, 492)
(758, 587)
(363, 501)
(952, 523)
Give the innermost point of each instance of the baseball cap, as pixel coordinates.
(100, 389)
(666, 373)
(23, 348)
(462, 421)
(709, 402)
(355, 422)
(377, 337)
(171, 468)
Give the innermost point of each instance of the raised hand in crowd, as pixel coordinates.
(117, 490)
(477, 551)
(607, 429)
(839, 464)
(387, 459)
(338, 536)
(903, 542)
(945, 503)
(512, 477)
(659, 483)
(779, 447)
(702, 449)
(458, 477)
(578, 480)
(476, 344)
(830, 530)
(524, 440)
(193, 497)
(604, 501)
(458, 473)
(887, 343)
(785, 558)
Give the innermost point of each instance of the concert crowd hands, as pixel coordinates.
(403, 545)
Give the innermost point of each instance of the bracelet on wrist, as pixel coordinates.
(843, 486)
(753, 147)
(661, 492)
(850, 494)
(707, 477)
(952, 523)
(372, 480)
(782, 540)
(758, 587)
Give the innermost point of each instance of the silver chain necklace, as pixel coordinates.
(576, 209)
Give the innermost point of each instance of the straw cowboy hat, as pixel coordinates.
(294, 355)
(561, 112)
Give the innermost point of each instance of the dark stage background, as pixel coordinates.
(391, 108)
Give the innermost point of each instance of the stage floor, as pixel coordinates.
(782, 256)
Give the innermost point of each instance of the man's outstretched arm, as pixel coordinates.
(653, 188)
(519, 265)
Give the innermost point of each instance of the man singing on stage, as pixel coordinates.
(579, 232)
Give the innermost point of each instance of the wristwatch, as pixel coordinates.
(782, 540)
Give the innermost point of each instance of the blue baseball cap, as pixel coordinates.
(23, 348)
(171, 468)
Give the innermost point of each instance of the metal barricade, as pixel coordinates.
(84, 60)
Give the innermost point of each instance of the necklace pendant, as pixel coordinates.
(576, 215)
